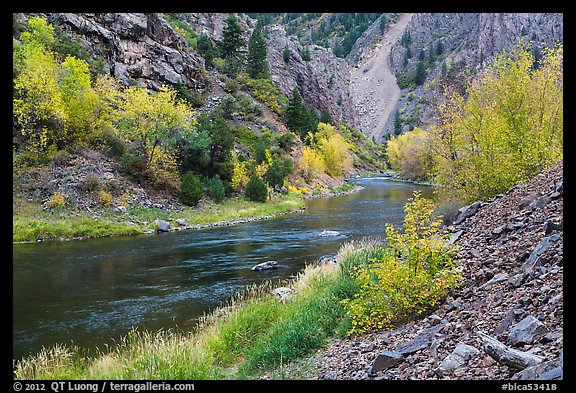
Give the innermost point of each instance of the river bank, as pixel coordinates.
(32, 223)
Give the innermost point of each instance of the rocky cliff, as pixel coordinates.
(469, 42)
(138, 48)
(505, 321)
(324, 80)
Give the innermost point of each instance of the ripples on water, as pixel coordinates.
(92, 291)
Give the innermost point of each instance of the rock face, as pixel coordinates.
(138, 48)
(324, 80)
(470, 41)
(509, 329)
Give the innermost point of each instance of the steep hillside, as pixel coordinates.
(505, 321)
(374, 85)
(449, 47)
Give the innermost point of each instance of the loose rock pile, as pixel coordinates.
(505, 320)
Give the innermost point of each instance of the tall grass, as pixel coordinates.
(251, 336)
(247, 337)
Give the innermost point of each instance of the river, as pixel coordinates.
(88, 293)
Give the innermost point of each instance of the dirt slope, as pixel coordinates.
(373, 85)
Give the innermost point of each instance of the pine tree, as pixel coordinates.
(286, 54)
(206, 48)
(420, 75)
(257, 61)
(397, 123)
(296, 114)
(232, 44)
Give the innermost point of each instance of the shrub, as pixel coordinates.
(191, 190)
(215, 189)
(133, 165)
(311, 163)
(414, 272)
(58, 199)
(275, 175)
(105, 198)
(91, 183)
(285, 141)
(256, 189)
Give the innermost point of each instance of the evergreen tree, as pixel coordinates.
(439, 48)
(232, 44)
(325, 117)
(256, 189)
(207, 49)
(397, 123)
(383, 22)
(296, 114)
(306, 54)
(257, 61)
(286, 53)
(420, 75)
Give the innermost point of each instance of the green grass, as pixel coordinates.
(31, 223)
(253, 334)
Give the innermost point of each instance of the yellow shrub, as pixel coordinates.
(240, 175)
(58, 199)
(416, 271)
(298, 190)
(105, 198)
(311, 163)
(124, 199)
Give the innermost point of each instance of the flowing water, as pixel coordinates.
(91, 292)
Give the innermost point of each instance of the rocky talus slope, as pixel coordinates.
(505, 321)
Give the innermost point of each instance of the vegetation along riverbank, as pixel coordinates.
(198, 127)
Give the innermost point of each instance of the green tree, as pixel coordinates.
(191, 189)
(215, 189)
(275, 175)
(383, 23)
(397, 122)
(306, 53)
(286, 53)
(420, 74)
(257, 60)
(232, 44)
(205, 46)
(439, 48)
(151, 119)
(256, 189)
(296, 114)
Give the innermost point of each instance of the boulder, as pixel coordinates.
(181, 222)
(284, 294)
(265, 266)
(526, 331)
(540, 248)
(458, 358)
(385, 360)
(550, 370)
(162, 226)
(421, 341)
(468, 211)
(327, 259)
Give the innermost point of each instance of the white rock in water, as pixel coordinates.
(265, 266)
(329, 233)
